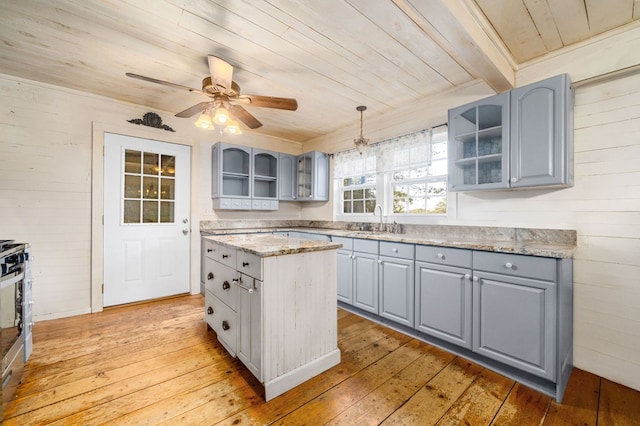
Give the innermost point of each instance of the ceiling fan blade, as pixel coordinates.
(165, 83)
(289, 104)
(221, 72)
(190, 112)
(243, 115)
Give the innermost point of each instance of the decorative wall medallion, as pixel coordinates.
(151, 119)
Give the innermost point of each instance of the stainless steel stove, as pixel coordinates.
(15, 284)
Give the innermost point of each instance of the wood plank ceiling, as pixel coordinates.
(330, 55)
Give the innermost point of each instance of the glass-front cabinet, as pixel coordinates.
(479, 148)
(265, 180)
(312, 177)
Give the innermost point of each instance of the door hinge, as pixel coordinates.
(102, 288)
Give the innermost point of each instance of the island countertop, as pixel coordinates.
(265, 245)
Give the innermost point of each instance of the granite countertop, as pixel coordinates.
(265, 245)
(554, 243)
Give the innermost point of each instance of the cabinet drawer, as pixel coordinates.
(400, 250)
(223, 320)
(250, 264)
(227, 256)
(347, 243)
(210, 249)
(541, 268)
(365, 246)
(444, 256)
(219, 281)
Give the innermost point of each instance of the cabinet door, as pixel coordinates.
(396, 290)
(312, 177)
(250, 325)
(304, 177)
(443, 302)
(539, 136)
(265, 174)
(321, 177)
(365, 281)
(287, 177)
(345, 276)
(478, 144)
(515, 321)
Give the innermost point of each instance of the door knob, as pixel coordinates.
(185, 231)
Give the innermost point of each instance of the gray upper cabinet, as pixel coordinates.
(312, 177)
(478, 144)
(542, 133)
(287, 177)
(522, 138)
(231, 176)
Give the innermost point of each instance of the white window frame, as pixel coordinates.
(384, 193)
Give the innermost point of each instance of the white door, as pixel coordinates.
(146, 219)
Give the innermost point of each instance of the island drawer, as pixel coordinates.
(365, 246)
(393, 249)
(250, 264)
(210, 249)
(219, 280)
(444, 256)
(542, 268)
(227, 256)
(224, 322)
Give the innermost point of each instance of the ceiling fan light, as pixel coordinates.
(233, 128)
(221, 116)
(204, 122)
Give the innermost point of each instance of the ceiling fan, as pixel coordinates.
(224, 93)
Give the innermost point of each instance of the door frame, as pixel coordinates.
(97, 204)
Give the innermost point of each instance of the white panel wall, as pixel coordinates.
(46, 137)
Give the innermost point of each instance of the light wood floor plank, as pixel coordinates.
(158, 363)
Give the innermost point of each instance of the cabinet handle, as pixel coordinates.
(225, 325)
(440, 256)
(210, 310)
(509, 265)
(245, 264)
(210, 276)
(224, 256)
(226, 285)
(209, 250)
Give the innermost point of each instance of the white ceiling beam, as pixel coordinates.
(460, 28)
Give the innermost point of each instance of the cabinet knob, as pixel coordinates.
(210, 310)
(245, 264)
(509, 265)
(226, 285)
(224, 256)
(467, 276)
(440, 256)
(395, 250)
(225, 325)
(210, 276)
(476, 279)
(380, 261)
(209, 250)
(514, 179)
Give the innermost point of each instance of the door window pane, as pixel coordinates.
(131, 186)
(167, 189)
(168, 165)
(166, 211)
(150, 212)
(150, 166)
(131, 211)
(150, 187)
(132, 161)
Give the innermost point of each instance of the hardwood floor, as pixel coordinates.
(157, 363)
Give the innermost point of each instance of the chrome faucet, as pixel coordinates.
(374, 212)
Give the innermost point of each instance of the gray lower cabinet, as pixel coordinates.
(365, 275)
(397, 282)
(512, 313)
(444, 293)
(515, 311)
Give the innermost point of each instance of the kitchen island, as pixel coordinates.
(272, 302)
